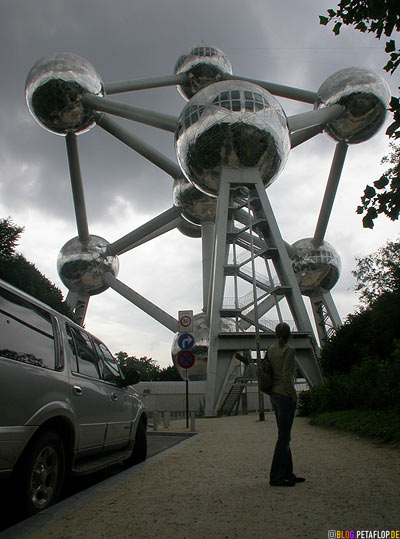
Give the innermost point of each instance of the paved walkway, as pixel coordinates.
(215, 486)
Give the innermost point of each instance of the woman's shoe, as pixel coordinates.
(296, 479)
(282, 483)
(299, 479)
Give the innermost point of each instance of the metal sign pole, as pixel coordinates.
(256, 321)
(187, 399)
(185, 357)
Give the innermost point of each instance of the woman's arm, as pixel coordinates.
(287, 373)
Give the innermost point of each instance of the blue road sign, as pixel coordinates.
(186, 359)
(186, 341)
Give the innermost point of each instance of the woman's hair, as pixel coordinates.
(282, 332)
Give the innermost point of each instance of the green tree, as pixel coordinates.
(149, 370)
(16, 270)
(369, 334)
(9, 236)
(169, 374)
(378, 272)
(380, 18)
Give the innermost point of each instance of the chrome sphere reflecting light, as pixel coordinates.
(189, 229)
(200, 348)
(365, 96)
(54, 88)
(195, 206)
(316, 269)
(231, 123)
(203, 65)
(81, 266)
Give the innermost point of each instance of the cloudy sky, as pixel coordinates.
(281, 42)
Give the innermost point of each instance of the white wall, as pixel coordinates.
(171, 396)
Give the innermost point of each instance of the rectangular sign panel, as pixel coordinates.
(185, 321)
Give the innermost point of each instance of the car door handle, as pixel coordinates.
(114, 396)
(77, 390)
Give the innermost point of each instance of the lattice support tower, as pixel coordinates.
(221, 355)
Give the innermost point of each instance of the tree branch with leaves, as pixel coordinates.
(378, 17)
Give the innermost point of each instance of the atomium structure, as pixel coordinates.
(232, 141)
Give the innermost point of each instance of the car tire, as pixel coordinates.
(139, 451)
(41, 472)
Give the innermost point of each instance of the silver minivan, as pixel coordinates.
(65, 405)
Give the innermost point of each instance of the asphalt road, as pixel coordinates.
(157, 442)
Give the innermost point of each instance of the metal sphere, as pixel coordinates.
(316, 268)
(365, 96)
(203, 65)
(189, 229)
(82, 265)
(54, 88)
(195, 206)
(231, 123)
(200, 349)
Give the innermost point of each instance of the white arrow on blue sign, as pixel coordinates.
(185, 341)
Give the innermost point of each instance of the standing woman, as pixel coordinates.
(283, 399)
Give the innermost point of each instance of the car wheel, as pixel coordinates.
(139, 451)
(41, 473)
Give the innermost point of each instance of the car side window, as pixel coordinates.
(109, 364)
(26, 332)
(82, 348)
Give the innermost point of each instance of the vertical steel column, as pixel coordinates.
(271, 234)
(284, 268)
(256, 315)
(77, 187)
(330, 192)
(78, 301)
(331, 308)
(235, 284)
(207, 245)
(217, 286)
(276, 300)
(323, 302)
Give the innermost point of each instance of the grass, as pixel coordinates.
(384, 425)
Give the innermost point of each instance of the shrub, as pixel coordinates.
(373, 384)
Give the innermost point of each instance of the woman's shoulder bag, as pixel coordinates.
(266, 378)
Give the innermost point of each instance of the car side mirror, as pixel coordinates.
(130, 377)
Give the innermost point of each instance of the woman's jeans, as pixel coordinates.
(282, 465)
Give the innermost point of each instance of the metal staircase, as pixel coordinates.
(231, 403)
(232, 400)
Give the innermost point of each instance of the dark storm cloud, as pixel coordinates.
(132, 39)
(135, 40)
